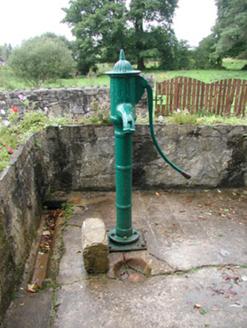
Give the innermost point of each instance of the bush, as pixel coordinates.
(40, 60)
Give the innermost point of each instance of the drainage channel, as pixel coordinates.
(53, 219)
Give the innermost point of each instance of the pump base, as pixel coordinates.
(136, 245)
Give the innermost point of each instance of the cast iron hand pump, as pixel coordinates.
(126, 90)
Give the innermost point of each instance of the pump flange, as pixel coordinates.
(135, 242)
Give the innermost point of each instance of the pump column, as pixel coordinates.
(123, 166)
(123, 233)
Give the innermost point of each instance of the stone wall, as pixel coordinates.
(214, 156)
(23, 186)
(81, 157)
(74, 102)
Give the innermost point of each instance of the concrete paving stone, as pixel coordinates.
(71, 266)
(30, 311)
(197, 299)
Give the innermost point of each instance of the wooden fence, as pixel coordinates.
(224, 97)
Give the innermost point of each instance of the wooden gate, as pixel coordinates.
(224, 97)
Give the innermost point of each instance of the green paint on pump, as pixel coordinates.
(126, 90)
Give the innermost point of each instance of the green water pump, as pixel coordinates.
(126, 90)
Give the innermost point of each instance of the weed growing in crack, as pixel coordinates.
(68, 208)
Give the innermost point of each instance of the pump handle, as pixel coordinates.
(147, 86)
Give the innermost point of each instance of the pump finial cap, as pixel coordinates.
(122, 55)
(122, 66)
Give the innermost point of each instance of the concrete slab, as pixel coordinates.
(71, 266)
(193, 300)
(30, 310)
(196, 250)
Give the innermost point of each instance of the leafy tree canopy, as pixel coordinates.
(5, 51)
(202, 55)
(103, 27)
(230, 29)
(41, 59)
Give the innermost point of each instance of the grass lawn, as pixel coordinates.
(207, 76)
(233, 70)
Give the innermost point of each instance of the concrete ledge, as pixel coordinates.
(95, 246)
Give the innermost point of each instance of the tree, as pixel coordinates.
(145, 15)
(202, 55)
(167, 50)
(183, 55)
(99, 28)
(230, 29)
(5, 52)
(40, 60)
(103, 27)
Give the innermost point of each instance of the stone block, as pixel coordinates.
(95, 246)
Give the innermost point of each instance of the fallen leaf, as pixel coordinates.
(244, 278)
(241, 223)
(32, 288)
(214, 308)
(157, 194)
(197, 288)
(188, 201)
(203, 311)
(201, 218)
(77, 199)
(235, 305)
(197, 306)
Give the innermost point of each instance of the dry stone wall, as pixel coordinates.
(81, 157)
(74, 102)
(23, 186)
(215, 156)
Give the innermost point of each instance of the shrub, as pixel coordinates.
(40, 60)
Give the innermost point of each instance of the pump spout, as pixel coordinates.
(125, 113)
